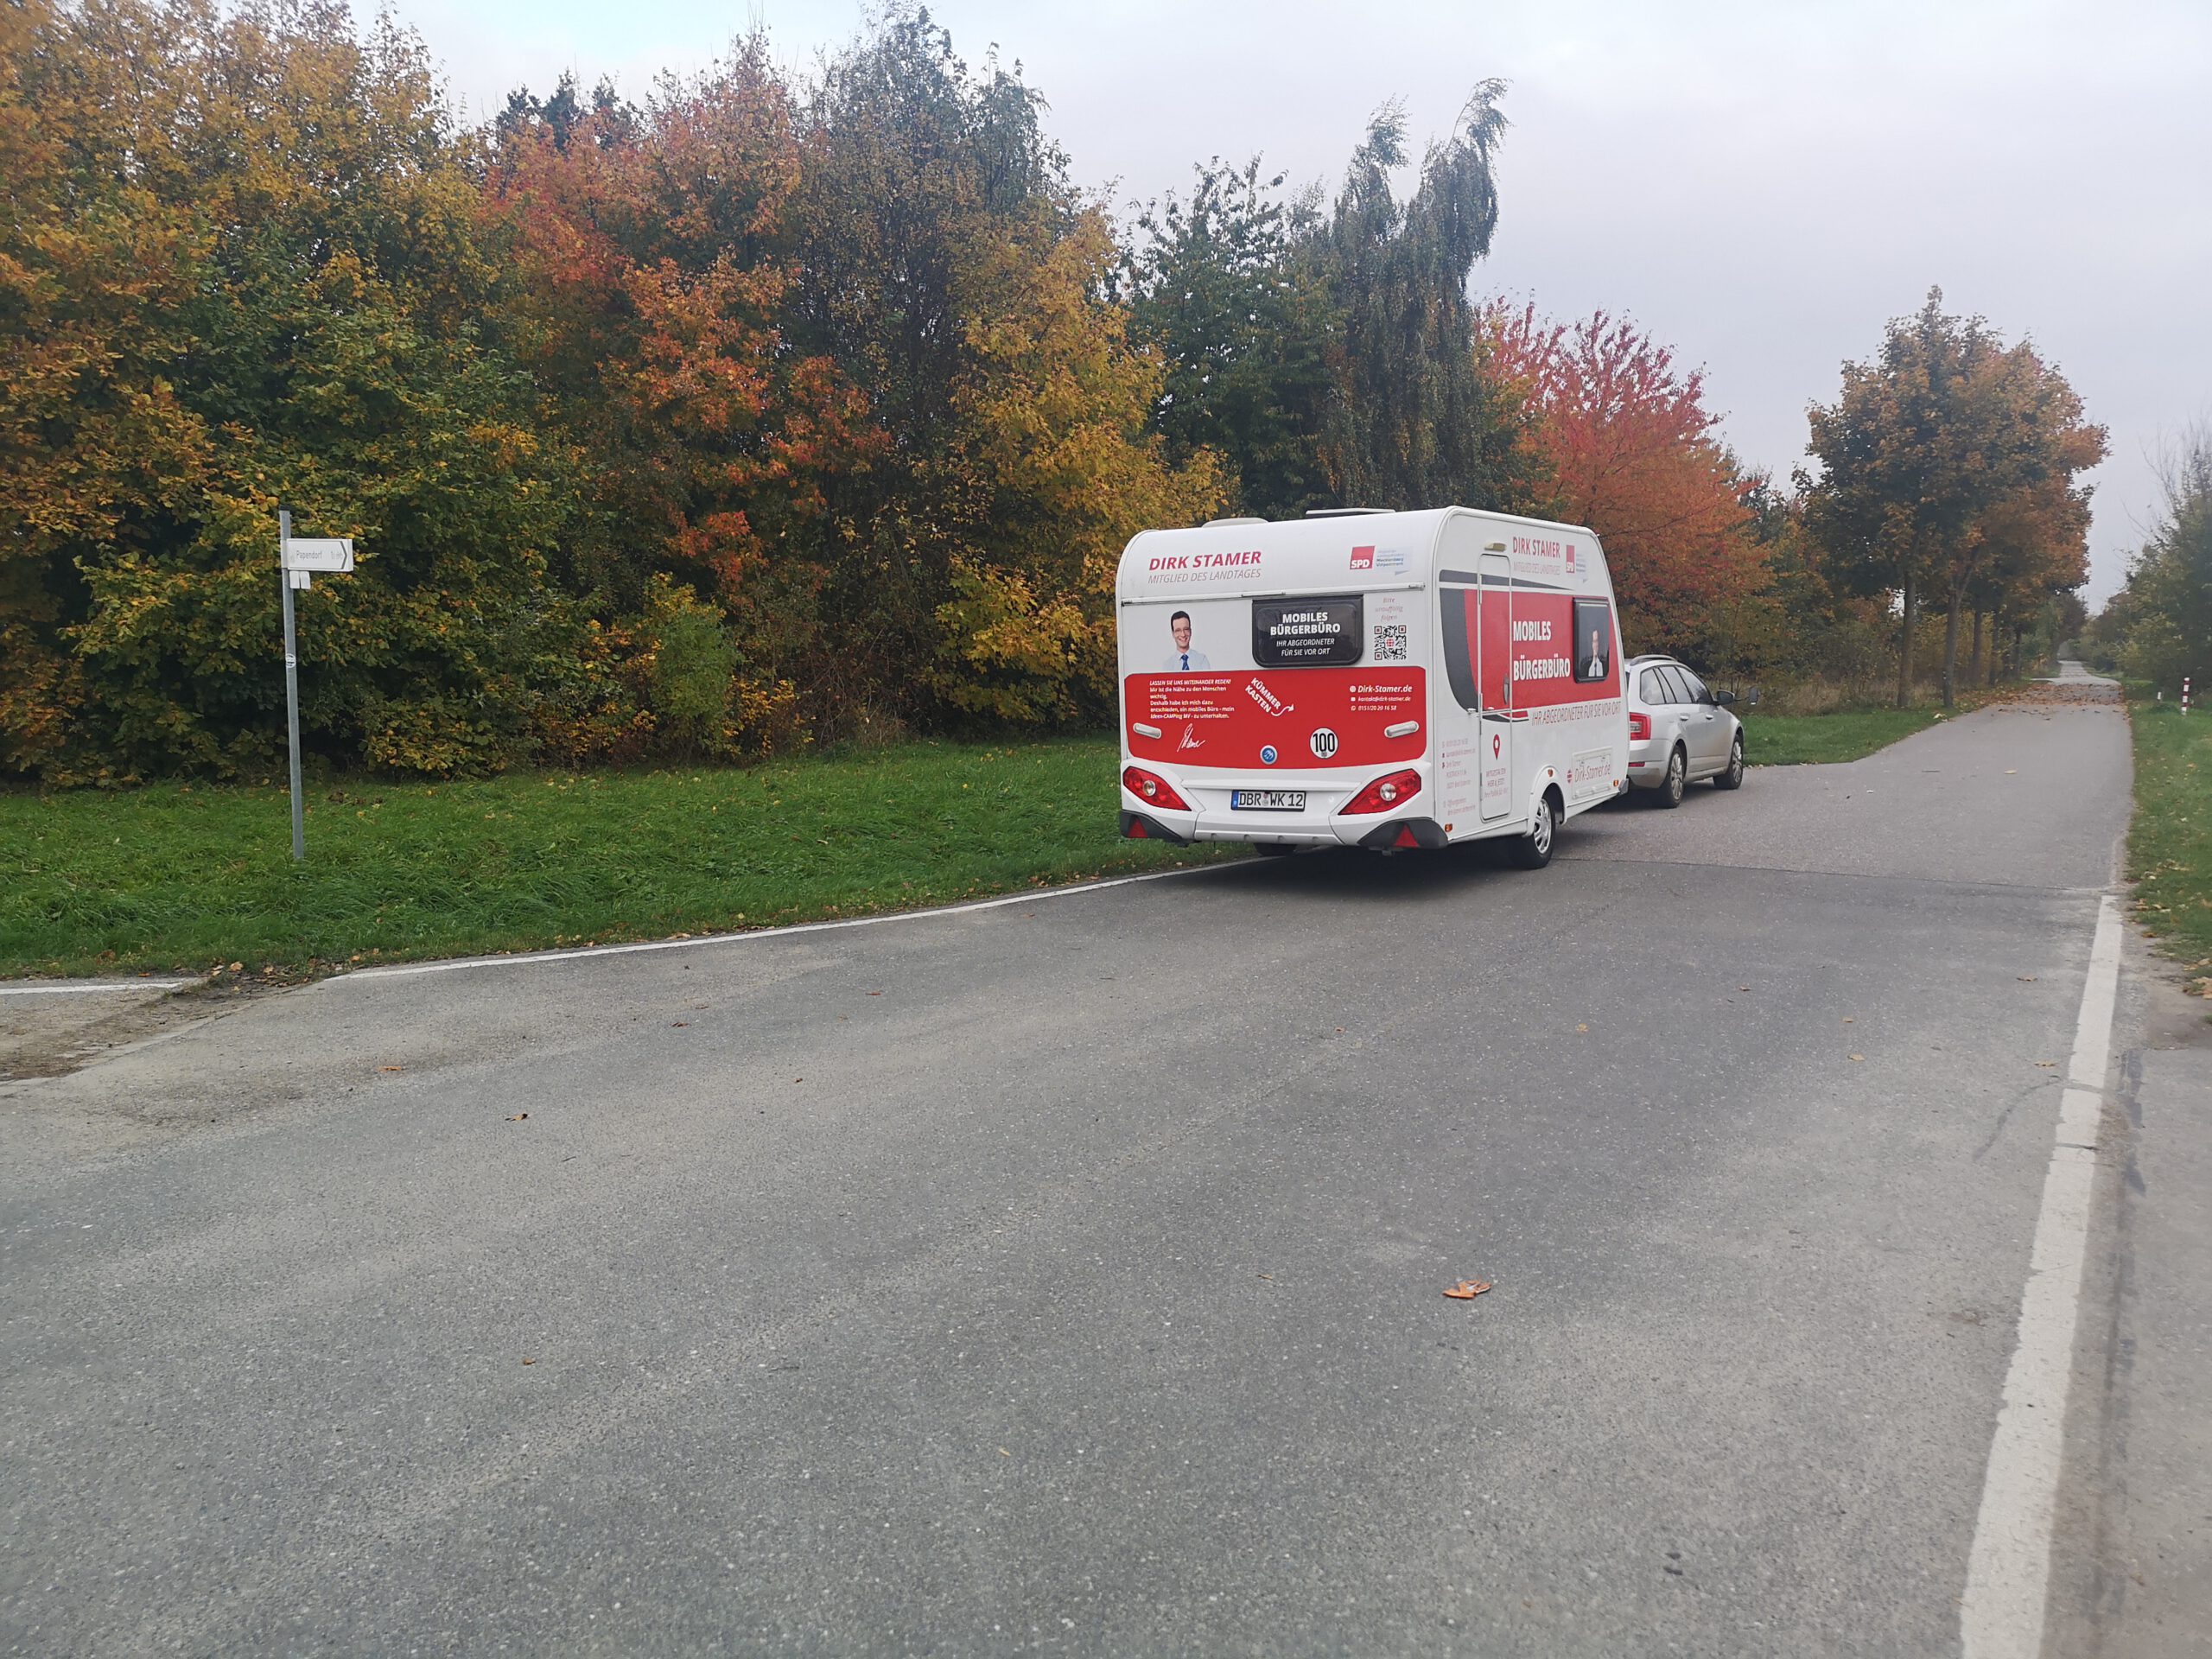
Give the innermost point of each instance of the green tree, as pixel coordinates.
(2158, 627)
(1413, 419)
(1242, 328)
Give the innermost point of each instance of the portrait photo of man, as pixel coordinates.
(1593, 657)
(1183, 659)
(1594, 639)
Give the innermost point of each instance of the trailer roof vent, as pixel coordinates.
(1210, 523)
(1342, 512)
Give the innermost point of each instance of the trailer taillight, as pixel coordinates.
(1384, 793)
(1639, 728)
(1151, 789)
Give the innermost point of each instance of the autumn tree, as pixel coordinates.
(653, 261)
(1630, 449)
(948, 263)
(1937, 452)
(278, 296)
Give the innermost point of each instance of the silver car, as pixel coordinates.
(1679, 730)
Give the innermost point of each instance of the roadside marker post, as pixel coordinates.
(2184, 694)
(298, 560)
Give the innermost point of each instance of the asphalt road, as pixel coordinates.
(1065, 1276)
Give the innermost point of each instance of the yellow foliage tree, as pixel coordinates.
(1053, 471)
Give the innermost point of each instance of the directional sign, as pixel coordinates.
(329, 554)
(299, 557)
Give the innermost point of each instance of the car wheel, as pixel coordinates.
(1534, 850)
(1273, 849)
(1732, 777)
(1678, 779)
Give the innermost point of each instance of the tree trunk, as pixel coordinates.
(1974, 670)
(1904, 649)
(1951, 648)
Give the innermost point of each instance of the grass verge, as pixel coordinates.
(2169, 841)
(183, 877)
(1824, 740)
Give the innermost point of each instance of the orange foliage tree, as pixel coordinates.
(652, 260)
(1630, 452)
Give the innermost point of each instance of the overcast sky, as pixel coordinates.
(1760, 185)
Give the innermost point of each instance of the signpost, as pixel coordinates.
(299, 559)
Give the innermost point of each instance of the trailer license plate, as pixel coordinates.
(1268, 800)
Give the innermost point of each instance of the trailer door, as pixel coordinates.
(1494, 674)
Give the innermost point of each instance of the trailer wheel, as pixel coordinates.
(1534, 850)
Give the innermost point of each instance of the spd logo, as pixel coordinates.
(1324, 743)
(1363, 558)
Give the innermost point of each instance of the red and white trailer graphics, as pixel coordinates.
(1383, 680)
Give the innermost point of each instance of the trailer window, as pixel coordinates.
(1308, 633)
(1454, 613)
(1593, 640)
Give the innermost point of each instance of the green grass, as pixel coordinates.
(182, 877)
(2170, 841)
(1823, 740)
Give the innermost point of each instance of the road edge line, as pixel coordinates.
(2002, 1611)
(96, 989)
(525, 958)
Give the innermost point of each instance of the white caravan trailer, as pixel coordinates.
(1373, 679)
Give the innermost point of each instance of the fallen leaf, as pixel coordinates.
(2047, 1065)
(1582, 1027)
(1267, 1276)
(798, 1079)
(517, 1117)
(1467, 1289)
(530, 1362)
(1850, 1019)
(876, 992)
(392, 1068)
(1743, 987)
(678, 1024)
(2012, 772)
(1859, 1057)
(1004, 1453)
(2025, 978)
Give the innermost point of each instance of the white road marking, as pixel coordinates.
(2008, 1571)
(753, 936)
(92, 986)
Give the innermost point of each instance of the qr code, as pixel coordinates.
(1389, 642)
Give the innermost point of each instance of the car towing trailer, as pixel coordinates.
(1387, 680)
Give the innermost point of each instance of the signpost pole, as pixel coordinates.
(291, 681)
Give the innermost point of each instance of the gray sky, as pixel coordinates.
(1760, 185)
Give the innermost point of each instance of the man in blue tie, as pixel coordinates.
(1183, 659)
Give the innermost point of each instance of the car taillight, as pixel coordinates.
(1639, 728)
(1385, 793)
(1151, 789)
